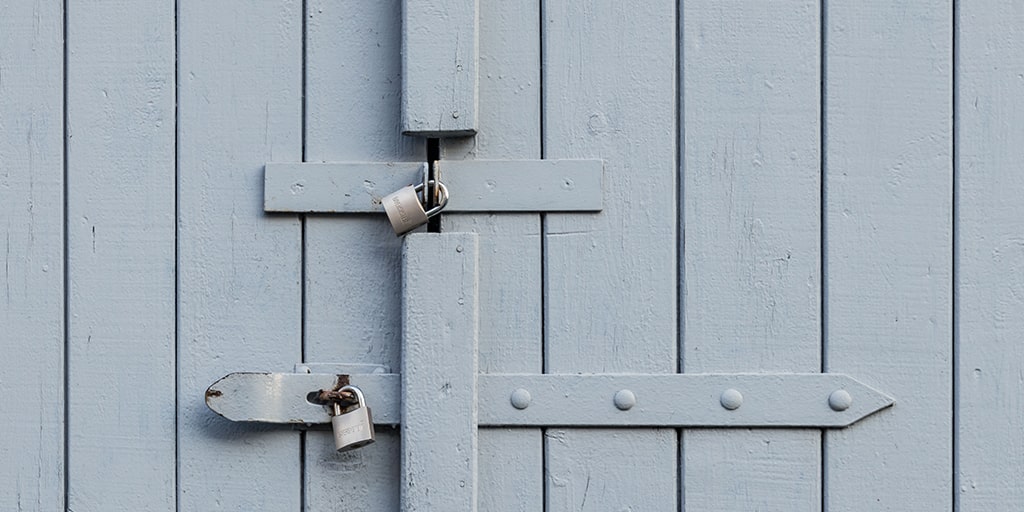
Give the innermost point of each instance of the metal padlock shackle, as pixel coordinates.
(355, 391)
(441, 202)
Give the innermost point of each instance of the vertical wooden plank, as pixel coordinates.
(439, 67)
(751, 243)
(32, 220)
(610, 292)
(239, 90)
(121, 224)
(353, 264)
(440, 300)
(888, 209)
(990, 254)
(510, 459)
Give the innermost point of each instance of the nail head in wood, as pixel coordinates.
(731, 399)
(521, 399)
(624, 400)
(840, 400)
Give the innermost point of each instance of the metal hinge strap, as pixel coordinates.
(577, 400)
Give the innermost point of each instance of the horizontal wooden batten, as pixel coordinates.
(473, 185)
(811, 400)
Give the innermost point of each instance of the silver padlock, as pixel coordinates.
(354, 428)
(405, 207)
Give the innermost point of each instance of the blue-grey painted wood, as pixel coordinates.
(353, 266)
(751, 245)
(439, 67)
(121, 265)
(990, 255)
(609, 78)
(239, 270)
(888, 209)
(32, 220)
(511, 185)
(888, 268)
(510, 460)
(440, 301)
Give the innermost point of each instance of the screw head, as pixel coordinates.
(624, 399)
(731, 399)
(840, 400)
(521, 399)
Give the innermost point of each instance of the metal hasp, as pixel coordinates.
(439, 67)
(474, 185)
(810, 400)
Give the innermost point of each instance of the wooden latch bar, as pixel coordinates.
(439, 67)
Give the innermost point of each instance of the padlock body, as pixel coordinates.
(353, 429)
(404, 210)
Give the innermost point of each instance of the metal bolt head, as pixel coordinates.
(624, 399)
(840, 400)
(731, 399)
(521, 399)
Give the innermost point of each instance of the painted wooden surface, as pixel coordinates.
(352, 264)
(888, 247)
(440, 297)
(609, 91)
(751, 245)
(176, 276)
(239, 270)
(121, 264)
(510, 461)
(439, 67)
(32, 383)
(484, 185)
(989, 283)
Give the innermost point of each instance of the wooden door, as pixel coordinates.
(798, 186)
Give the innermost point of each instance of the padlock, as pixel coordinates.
(354, 428)
(405, 208)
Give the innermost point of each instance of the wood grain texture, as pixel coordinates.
(888, 216)
(990, 255)
(353, 264)
(510, 460)
(32, 242)
(239, 106)
(439, 67)
(609, 82)
(440, 301)
(751, 245)
(121, 264)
